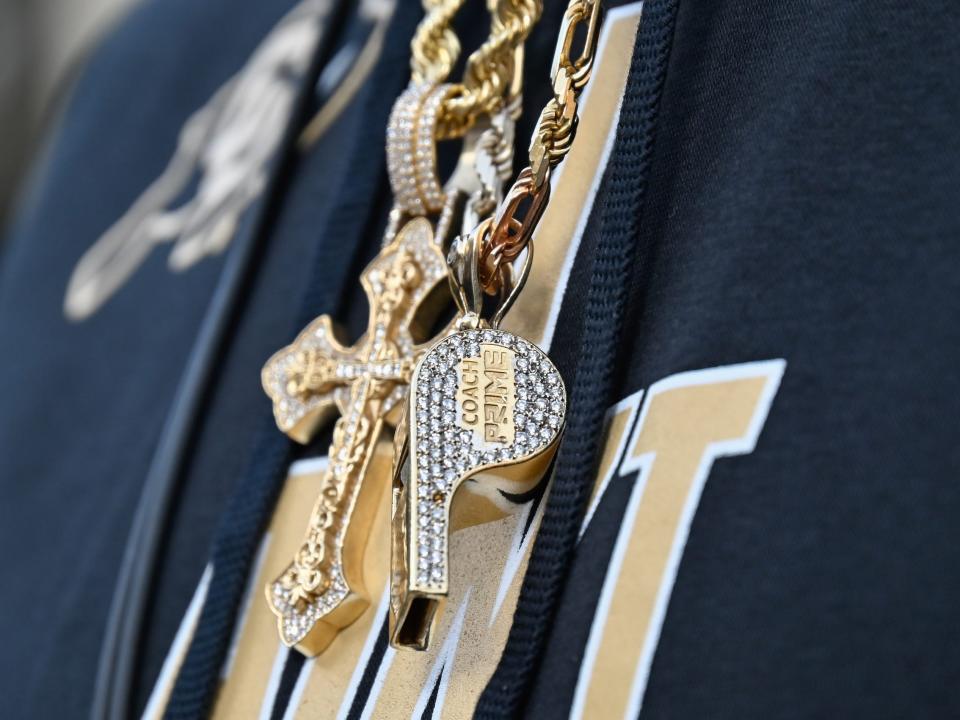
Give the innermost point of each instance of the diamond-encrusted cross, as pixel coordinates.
(321, 590)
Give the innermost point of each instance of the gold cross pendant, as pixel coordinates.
(322, 590)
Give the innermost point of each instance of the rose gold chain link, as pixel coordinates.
(509, 232)
(512, 228)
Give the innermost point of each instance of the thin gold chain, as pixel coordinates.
(557, 124)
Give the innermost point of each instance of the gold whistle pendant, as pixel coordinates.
(486, 408)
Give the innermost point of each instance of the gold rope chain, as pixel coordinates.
(489, 75)
(503, 238)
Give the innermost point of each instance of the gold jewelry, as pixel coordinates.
(491, 72)
(484, 404)
(322, 591)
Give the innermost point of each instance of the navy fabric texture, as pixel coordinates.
(83, 403)
(802, 204)
(786, 184)
(126, 657)
(251, 503)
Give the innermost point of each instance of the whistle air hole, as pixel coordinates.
(415, 630)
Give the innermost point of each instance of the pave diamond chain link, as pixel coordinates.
(481, 109)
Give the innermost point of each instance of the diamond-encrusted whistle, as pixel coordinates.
(485, 407)
(484, 415)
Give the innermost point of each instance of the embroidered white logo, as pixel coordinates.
(227, 145)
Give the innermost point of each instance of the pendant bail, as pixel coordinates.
(470, 293)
